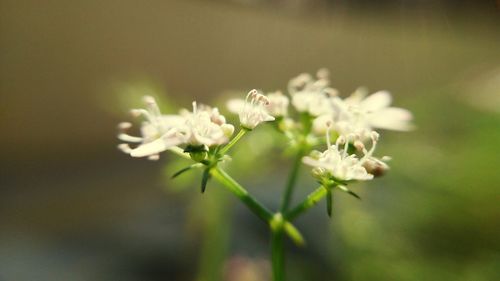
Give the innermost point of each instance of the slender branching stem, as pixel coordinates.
(277, 241)
(311, 200)
(290, 184)
(228, 146)
(277, 255)
(240, 192)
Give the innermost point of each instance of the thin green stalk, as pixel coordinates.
(215, 237)
(312, 199)
(240, 134)
(292, 179)
(240, 192)
(278, 237)
(277, 255)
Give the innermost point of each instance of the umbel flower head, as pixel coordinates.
(254, 110)
(203, 127)
(360, 114)
(312, 96)
(278, 104)
(335, 163)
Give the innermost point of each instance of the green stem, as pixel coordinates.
(240, 192)
(278, 237)
(292, 179)
(277, 255)
(312, 199)
(228, 146)
(215, 235)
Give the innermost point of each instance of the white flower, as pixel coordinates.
(252, 111)
(278, 104)
(205, 126)
(158, 132)
(202, 127)
(336, 163)
(359, 114)
(312, 96)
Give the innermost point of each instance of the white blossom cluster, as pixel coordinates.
(203, 127)
(311, 109)
(352, 120)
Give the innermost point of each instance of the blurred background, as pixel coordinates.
(72, 207)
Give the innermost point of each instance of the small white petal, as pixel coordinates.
(154, 157)
(386, 158)
(235, 105)
(392, 118)
(150, 148)
(154, 147)
(228, 129)
(124, 147)
(376, 101)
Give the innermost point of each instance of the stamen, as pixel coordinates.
(138, 112)
(331, 92)
(152, 105)
(374, 136)
(135, 112)
(263, 99)
(320, 84)
(359, 145)
(323, 73)
(250, 94)
(340, 140)
(254, 97)
(124, 147)
(123, 126)
(129, 138)
(149, 100)
(328, 127)
(195, 109)
(302, 79)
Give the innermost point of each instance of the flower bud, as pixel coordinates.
(198, 156)
(376, 168)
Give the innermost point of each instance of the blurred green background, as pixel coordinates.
(72, 207)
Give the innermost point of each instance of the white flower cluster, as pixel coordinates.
(255, 109)
(336, 163)
(351, 120)
(203, 127)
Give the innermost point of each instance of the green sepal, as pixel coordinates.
(195, 148)
(182, 171)
(345, 189)
(354, 194)
(197, 152)
(204, 179)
